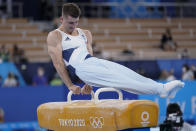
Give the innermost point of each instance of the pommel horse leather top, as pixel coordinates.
(98, 115)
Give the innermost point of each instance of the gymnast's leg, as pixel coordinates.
(103, 73)
(170, 88)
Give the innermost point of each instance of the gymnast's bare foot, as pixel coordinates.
(172, 88)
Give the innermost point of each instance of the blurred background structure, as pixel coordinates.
(156, 38)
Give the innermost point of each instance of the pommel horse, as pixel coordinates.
(98, 115)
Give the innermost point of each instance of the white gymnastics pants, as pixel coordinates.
(103, 73)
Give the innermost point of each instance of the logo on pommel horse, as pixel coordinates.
(72, 122)
(97, 122)
(145, 117)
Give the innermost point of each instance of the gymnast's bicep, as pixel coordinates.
(54, 47)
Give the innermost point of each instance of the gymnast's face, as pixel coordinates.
(69, 23)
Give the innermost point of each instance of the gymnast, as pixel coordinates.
(70, 49)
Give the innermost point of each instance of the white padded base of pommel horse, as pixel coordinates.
(98, 115)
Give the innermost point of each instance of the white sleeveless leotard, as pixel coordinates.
(102, 73)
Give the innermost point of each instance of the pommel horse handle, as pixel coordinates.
(106, 90)
(71, 92)
(95, 96)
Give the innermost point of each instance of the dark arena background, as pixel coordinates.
(155, 38)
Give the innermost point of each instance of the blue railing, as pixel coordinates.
(20, 104)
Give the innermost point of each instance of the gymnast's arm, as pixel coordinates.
(89, 41)
(55, 52)
(86, 89)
